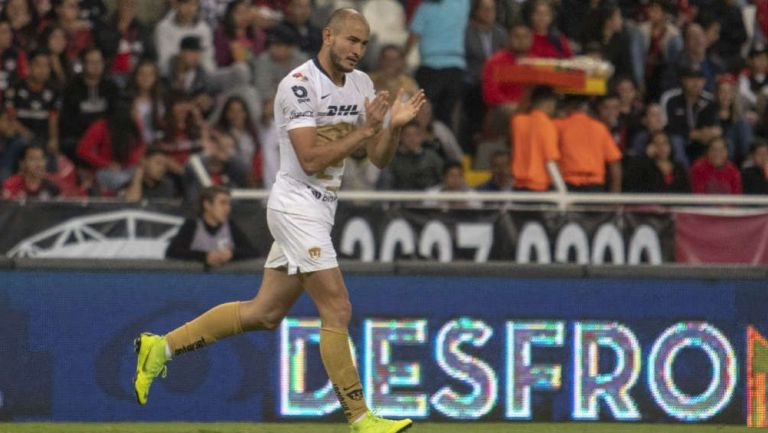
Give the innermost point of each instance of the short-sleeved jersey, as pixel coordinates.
(307, 97)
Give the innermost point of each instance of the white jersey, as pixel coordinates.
(307, 97)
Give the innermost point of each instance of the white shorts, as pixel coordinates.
(302, 243)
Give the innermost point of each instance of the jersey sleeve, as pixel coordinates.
(297, 99)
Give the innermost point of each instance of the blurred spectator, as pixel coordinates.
(181, 21)
(438, 28)
(753, 83)
(124, 40)
(483, 38)
(755, 177)
(693, 57)
(236, 121)
(270, 148)
(212, 237)
(359, 172)
(691, 112)
(32, 181)
(13, 139)
(656, 171)
(23, 20)
(614, 38)
(150, 180)
(281, 57)
(732, 32)
(713, 173)
(630, 109)
(534, 142)
(297, 22)
(147, 101)
(414, 167)
(737, 131)
(502, 98)
(452, 180)
(501, 174)
(88, 97)
(437, 136)
(186, 132)
(390, 73)
(77, 31)
(35, 104)
(213, 11)
(586, 146)
(608, 111)
(90, 10)
(187, 75)
(654, 122)
(548, 41)
(237, 39)
(662, 43)
(221, 165)
(113, 147)
(13, 60)
(510, 12)
(387, 21)
(54, 41)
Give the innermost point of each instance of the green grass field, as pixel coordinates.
(341, 428)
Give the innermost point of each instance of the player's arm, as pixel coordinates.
(381, 149)
(315, 155)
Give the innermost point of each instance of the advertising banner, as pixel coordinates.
(369, 233)
(703, 239)
(437, 348)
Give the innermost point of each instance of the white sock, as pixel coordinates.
(360, 418)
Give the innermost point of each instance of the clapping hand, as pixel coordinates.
(404, 111)
(375, 111)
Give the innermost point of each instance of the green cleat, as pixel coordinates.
(150, 363)
(374, 424)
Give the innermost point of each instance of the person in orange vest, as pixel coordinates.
(534, 142)
(586, 147)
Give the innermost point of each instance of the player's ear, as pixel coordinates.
(327, 33)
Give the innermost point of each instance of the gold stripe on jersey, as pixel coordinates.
(328, 133)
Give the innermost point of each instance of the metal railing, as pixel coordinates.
(562, 200)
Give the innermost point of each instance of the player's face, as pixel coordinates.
(348, 44)
(219, 208)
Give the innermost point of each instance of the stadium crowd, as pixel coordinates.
(131, 98)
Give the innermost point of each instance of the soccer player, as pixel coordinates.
(325, 110)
